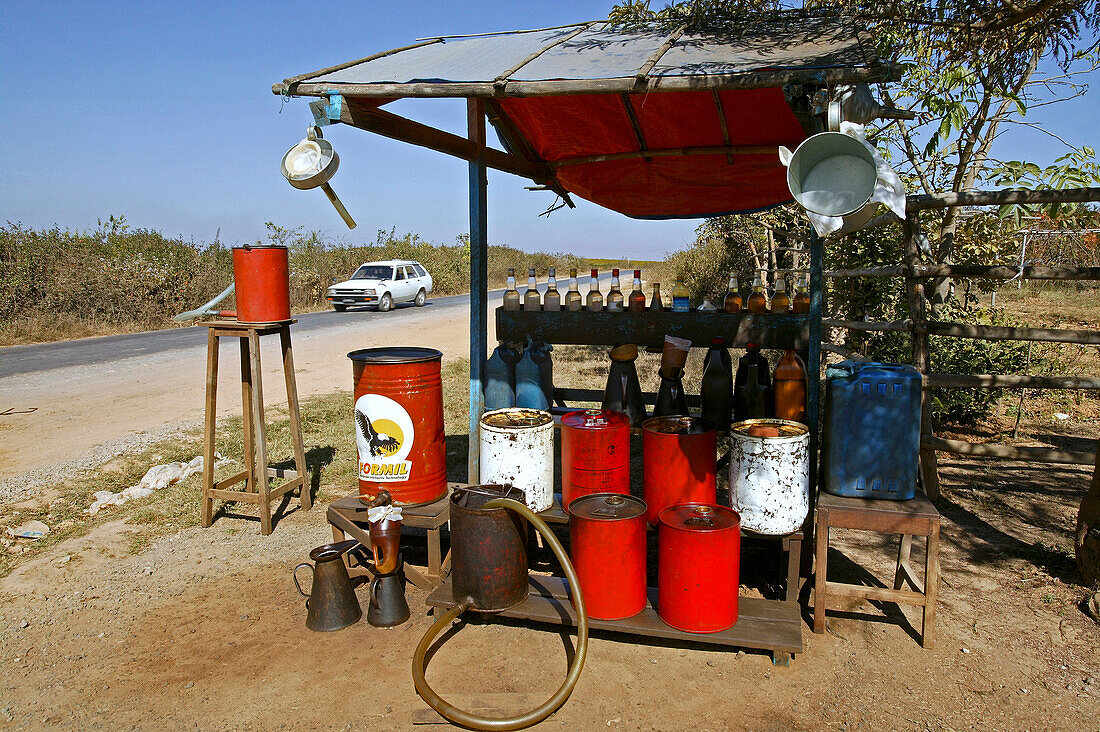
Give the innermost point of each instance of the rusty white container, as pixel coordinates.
(770, 474)
(517, 449)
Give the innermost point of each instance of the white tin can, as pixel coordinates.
(770, 474)
(517, 449)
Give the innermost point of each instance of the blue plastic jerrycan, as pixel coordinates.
(533, 374)
(872, 430)
(500, 378)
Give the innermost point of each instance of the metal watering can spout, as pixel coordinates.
(208, 308)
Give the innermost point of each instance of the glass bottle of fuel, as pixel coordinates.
(594, 300)
(758, 301)
(552, 299)
(531, 300)
(656, 304)
(615, 296)
(733, 302)
(801, 303)
(636, 303)
(781, 301)
(681, 303)
(511, 294)
(573, 296)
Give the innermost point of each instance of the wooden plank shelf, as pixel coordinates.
(650, 328)
(770, 625)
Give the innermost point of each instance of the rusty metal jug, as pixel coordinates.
(488, 549)
(388, 606)
(331, 603)
(623, 393)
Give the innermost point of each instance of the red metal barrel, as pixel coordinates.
(608, 550)
(698, 567)
(595, 453)
(679, 462)
(399, 423)
(262, 276)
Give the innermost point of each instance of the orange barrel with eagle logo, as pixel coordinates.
(399, 424)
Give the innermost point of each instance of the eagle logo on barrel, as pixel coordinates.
(379, 443)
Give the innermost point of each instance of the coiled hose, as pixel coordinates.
(519, 721)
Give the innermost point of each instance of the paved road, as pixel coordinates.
(16, 360)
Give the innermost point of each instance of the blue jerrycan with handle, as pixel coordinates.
(500, 378)
(872, 430)
(529, 387)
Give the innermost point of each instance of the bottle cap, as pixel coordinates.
(614, 273)
(637, 274)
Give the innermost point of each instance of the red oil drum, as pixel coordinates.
(679, 462)
(399, 424)
(698, 567)
(608, 550)
(262, 276)
(595, 453)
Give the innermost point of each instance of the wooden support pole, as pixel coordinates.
(400, 128)
(1000, 198)
(762, 79)
(1003, 333)
(1008, 381)
(1009, 452)
(479, 319)
(929, 466)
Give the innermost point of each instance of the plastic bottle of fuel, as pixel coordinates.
(733, 302)
(573, 296)
(636, 303)
(531, 298)
(615, 296)
(752, 389)
(789, 382)
(716, 392)
(758, 301)
(681, 302)
(552, 299)
(594, 301)
(511, 294)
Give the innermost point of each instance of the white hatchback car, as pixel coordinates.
(383, 284)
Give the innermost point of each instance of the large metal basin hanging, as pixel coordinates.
(488, 549)
(770, 474)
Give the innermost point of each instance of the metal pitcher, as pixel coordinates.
(331, 603)
(388, 606)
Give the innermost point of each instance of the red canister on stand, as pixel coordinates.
(698, 567)
(595, 453)
(679, 462)
(607, 545)
(262, 278)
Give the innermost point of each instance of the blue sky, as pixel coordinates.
(162, 112)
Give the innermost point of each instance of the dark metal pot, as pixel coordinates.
(488, 549)
(332, 604)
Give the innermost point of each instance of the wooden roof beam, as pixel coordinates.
(672, 152)
(400, 128)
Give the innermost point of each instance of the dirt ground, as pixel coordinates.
(205, 630)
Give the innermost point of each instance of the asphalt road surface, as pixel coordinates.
(16, 360)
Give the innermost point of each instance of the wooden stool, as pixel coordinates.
(915, 517)
(348, 515)
(256, 473)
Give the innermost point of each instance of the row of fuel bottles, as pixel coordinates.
(753, 391)
(733, 302)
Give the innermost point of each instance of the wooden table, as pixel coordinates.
(771, 625)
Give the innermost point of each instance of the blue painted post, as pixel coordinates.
(813, 366)
(475, 123)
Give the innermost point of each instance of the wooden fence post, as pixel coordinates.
(918, 305)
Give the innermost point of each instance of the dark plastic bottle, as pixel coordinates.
(671, 399)
(752, 392)
(716, 392)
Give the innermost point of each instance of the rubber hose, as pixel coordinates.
(519, 721)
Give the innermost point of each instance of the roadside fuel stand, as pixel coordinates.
(649, 122)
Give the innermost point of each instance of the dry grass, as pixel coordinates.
(330, 455)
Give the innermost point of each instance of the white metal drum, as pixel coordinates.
(770, 474)
(517, 449)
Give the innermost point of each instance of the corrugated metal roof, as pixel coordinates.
(599, 57)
